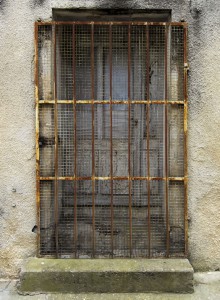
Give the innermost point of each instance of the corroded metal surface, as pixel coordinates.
(111, 139)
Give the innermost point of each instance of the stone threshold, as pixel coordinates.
(106, 276)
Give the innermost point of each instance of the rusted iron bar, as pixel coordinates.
(111, 144)
(112, 23)
(37, 138)
(166, 144)
(56, 143)
(113, 102)
(129, 136)
(148, 136)
(75, 142)
(116, 178)
(93, 137)
(185, 143)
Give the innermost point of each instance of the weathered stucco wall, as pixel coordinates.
(17, 126)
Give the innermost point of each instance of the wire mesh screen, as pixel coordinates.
(111, 139)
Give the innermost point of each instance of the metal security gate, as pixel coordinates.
(111, 129)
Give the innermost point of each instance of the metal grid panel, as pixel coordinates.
(157, 140)
(157, 42)
(176, 140)
(84, 139)
(102, 140)
(138, 141)
(101, 66)
(120, 62)
(103, 228)
(44, 67)
(64, 62)
(113, 175)
(46, 140)
(140, 219)
(47, 228)
(158, 219)
(121, 227)
(84, 219)
(83, 66)
(138, 62)
(176, 77)
(176, 216)
(66, 225)
(65, 140)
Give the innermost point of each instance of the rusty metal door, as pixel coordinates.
(111, 139)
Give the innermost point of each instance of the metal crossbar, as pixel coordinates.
(111, 139)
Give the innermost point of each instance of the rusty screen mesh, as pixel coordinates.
(111, 139)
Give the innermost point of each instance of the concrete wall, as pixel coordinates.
(17, 126)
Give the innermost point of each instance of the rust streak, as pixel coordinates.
(111, 145)
(37, 139)
(56, 146)
(185, 144)
(75, 147)
(148, 138)
(113, 102)
(129, 135)
(115, 178)
(182, 24)
(166, 148)
(93, 136)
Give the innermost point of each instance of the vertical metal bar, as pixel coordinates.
(148, 134)
(37, 138)
(75, 144)
(93, 138)
(166, 146)
(129, 135)
(56, 142)
(111, 147)
(185, 143)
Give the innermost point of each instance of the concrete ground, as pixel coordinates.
(207, 286)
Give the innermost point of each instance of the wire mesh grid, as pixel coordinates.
(157, 62)
(83, 66)
(138, 62)
(176, 77)
(47, 226)
(64, 62)
(111, 177)
(101, 65)
(66, 149)
(84, 139)
(45, 68)
(176, 216)
(46, 140)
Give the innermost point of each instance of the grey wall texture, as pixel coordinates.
(17, 126)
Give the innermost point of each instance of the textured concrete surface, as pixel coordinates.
(207, 287)
(17, 126)
(106, 275)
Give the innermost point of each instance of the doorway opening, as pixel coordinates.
(111, 138)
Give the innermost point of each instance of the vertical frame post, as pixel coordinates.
(166, 144)
(75, 141)
(129, 136)
(111, 146)
(148, 134)
(56, 216)
(93, 138)
(37, 138)
(185, 141)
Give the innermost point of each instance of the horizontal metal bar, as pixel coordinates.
(115, 178)
(108, 102)
(183, 24)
